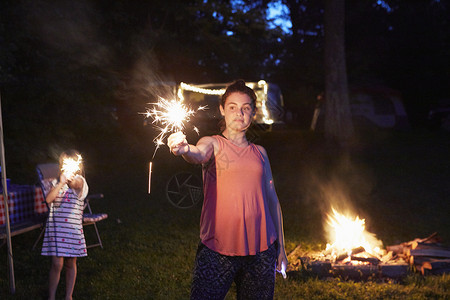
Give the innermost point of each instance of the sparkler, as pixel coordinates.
(149, 176)
(169, 116)
(283, 270)
(71, 166)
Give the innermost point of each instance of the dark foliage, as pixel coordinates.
(72, 71)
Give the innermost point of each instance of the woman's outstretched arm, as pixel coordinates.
(195, 154)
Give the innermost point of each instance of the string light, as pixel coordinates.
(260, 85)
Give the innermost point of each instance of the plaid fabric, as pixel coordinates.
(40, 206)
(24, 203)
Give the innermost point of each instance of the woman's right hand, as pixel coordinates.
(177, 143)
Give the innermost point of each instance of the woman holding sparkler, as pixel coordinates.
(64, 238)
(241, 226)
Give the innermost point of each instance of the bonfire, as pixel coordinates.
(354, 253)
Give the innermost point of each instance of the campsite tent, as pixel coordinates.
(379, 106)
(371, 106)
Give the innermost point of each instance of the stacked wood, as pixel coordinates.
(426, 255)
(403, 248)
(430, 258)
(436, 266)
(301, 259)
(294, 259)
(363, 265)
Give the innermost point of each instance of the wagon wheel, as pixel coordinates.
(184, 190)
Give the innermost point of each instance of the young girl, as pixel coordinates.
(241, 225)
(64, 238)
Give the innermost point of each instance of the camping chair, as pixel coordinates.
(49, 172)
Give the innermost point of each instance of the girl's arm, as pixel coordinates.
(197, 154)
(79, 185)
(51, 196)
(76, 183)
(275, 212)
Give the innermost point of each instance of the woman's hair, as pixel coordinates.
(239, 87)
(73, 154)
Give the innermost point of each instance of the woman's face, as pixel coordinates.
(238, 111)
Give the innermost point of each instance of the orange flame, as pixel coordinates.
(347, 233)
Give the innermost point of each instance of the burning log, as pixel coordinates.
(389, 256)
(343, 256)
(372, 260)
(396, 249)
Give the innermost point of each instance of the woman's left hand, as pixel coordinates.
(282, 263)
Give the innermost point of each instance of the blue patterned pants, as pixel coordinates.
(214, 273)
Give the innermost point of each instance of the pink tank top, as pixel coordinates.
(235, 218)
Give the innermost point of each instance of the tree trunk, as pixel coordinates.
(338, 121)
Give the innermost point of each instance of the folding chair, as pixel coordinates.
(49, 172)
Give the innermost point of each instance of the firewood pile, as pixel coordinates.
(426, 256)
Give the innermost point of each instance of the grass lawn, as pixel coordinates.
(397, 181)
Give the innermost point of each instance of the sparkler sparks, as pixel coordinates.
(71, 166)
(171, 116)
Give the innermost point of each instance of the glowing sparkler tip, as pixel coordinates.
(71, 166)
(171, 115)
(283, 270)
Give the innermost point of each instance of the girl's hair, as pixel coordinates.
(237, 86)
(71, 153)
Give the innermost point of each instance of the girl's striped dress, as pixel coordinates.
(64, 234)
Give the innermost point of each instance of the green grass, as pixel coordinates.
(397, 181)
